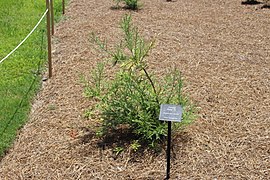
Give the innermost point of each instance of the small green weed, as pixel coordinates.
(135, 145)
(118, 150)
(51, 107)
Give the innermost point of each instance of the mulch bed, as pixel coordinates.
(222, 49)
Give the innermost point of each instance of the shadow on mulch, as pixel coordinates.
(170, 0)
(250, 2)
(265, 7)
(254, 2)
(4, 153)
(124, 8)
(123, 137)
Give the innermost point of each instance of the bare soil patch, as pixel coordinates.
(223, 51)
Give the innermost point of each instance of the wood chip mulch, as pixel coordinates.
(223, 51)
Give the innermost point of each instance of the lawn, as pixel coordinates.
(20, 73)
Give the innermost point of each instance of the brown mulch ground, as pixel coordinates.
(223, 51)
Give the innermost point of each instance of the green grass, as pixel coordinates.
(20, 73)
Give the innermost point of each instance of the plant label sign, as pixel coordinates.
(170, 112)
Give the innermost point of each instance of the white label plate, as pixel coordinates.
(170, 112)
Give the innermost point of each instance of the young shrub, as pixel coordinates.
(132, 99)
(130, 4)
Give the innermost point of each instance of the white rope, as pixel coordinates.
(25, 37)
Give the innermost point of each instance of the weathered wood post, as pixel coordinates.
(49, 38)
(52, 16)
(63, 6)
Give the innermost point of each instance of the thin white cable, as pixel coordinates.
(25, 37)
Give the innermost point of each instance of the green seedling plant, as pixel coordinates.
(132, 99)
(135, 145)
(118, 150)
(97, 76)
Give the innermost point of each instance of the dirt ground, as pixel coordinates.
(223, 51)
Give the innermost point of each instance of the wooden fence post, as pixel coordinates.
(52, 16)
(49, 38)
(63, 6)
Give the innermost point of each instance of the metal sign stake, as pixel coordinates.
(170, 112)
(169, 149)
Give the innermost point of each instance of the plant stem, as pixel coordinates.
(152, 84)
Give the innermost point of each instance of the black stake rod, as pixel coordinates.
(169, 149)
